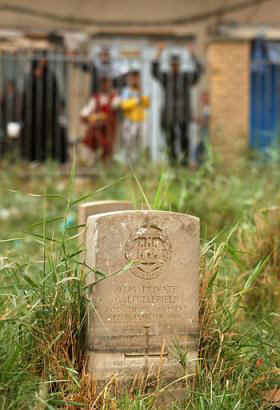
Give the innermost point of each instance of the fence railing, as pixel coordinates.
(43, 96)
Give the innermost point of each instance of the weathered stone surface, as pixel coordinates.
(267, 218)
(148, 304)
(98, 207)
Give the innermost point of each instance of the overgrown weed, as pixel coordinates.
(43, 294)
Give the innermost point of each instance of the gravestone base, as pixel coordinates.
(160, 377)
(167, 398)
(102, 366)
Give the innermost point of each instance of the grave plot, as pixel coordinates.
(147, 306)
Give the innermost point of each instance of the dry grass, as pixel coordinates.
(43, 296)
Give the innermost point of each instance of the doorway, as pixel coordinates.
(265, 95)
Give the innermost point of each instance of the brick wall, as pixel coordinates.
(229, 82)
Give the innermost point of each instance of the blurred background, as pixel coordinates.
(55, 57)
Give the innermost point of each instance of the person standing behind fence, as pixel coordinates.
(204, 121)
(103, 66)
(100, 116)
(43, 136)
(9, 113)
(133, 105)
(176, 112)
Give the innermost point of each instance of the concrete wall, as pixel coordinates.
(229, 86)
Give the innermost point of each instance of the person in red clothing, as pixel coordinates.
(100, 114)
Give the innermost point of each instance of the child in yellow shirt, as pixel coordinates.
(134, 106)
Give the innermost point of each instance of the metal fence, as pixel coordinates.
(40, 115)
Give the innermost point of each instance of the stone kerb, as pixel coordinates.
(87, 209)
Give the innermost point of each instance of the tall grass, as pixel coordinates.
(43, 292)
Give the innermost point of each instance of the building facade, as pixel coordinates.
(244, 85)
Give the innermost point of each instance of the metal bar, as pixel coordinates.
(54, 97)
(39, 104)
(81, 83)
(29, 131)
(2, 126)
(59, 107)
